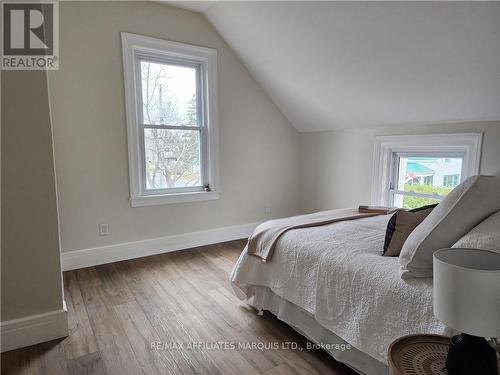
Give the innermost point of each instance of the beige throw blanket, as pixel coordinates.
(263, 240)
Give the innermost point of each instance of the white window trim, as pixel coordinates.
(467, 145)
(133, 45)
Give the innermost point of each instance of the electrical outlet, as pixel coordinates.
(103, 229)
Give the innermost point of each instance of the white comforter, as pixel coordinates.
(336, 273)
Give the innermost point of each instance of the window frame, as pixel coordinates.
(388, 149)
(137, 48)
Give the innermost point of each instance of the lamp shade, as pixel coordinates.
(467, 290)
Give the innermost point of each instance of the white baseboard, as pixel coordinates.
(33, 329)
(113, 253)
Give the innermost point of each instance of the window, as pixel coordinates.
(170, 91)
(417, 179)
(428, 180)
(451, 180)
(413, 171)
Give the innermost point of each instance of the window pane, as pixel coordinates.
(426, 175)
(172, 158)
(168, 94)
(409, 202)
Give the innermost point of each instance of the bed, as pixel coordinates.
(333, 286)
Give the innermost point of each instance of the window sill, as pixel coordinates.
(153, 200)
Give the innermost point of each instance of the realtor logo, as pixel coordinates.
(30, 35)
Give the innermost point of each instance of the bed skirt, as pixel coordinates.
(305, 324)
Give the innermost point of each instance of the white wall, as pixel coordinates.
(31, 273)
(336, 166)
(258, 147)
(30, 257)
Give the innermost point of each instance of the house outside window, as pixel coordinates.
(417, 179)
(417, 170)
(171, 105)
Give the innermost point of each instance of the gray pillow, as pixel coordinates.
(485, 236)
(466, 206)
(400, 226)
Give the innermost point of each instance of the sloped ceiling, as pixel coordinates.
(331, 65)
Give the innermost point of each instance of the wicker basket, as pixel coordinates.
(418, 355)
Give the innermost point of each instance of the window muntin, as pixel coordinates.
(420, 180)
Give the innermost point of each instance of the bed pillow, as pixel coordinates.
(401, 224)
(461, 210)
(485, 236)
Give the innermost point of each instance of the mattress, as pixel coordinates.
(337, 275)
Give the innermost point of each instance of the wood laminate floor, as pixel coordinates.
(116, 311)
